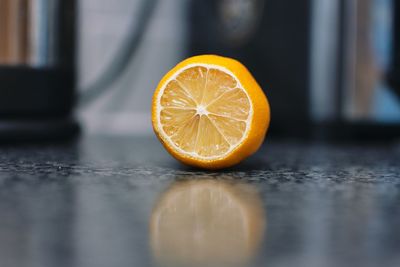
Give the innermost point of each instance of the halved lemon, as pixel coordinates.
(209, 112)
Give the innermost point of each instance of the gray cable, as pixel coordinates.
(123, 57)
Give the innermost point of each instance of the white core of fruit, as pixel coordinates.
(201, 110)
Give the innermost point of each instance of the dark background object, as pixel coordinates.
(38, 89)
(276, 52)
(354, 35)
(277, 48)
(394, 71)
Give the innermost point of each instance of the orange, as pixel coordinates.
(209, 112)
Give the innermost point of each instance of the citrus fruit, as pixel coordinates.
(207, 223)
(209, 112)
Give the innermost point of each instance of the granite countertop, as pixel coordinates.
(116, 201)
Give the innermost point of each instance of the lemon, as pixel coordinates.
(207, 223)
(209, 112)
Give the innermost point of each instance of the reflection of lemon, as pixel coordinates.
(206, 222)
(209, 112)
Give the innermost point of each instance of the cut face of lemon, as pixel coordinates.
(203, 112)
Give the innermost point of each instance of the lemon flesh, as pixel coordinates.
(204, 111)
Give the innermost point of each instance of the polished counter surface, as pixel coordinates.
(116, 201)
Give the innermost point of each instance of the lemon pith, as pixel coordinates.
(209, 112)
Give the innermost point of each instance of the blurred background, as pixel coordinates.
(330, 68)
(114, 197)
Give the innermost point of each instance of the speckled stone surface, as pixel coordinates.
(88, 203)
